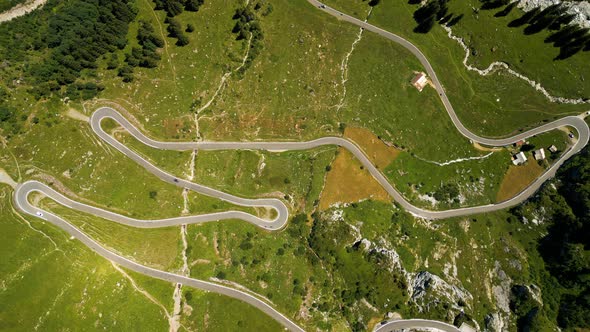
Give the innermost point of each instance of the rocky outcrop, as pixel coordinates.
(579, 8)
(494, 323)
(498, 321)
(526, 304)
(528, 291)
(21, 9)
(425, 289)
(428, 289)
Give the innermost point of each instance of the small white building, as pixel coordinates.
(539, 154)
(553, 149)
(519, 158)
(420, 81)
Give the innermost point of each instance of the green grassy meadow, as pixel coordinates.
(315, 271)
(495, 105)
(50, 282)
(527, 54)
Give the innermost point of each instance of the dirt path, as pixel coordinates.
(177, 294)
(72, 113)
(141, 290)
(484, 148)
(7, 179)
(225, 77)
(164, 39)
(344, 64)
(20, 10)
(502, 65)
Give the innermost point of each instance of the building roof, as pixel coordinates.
(519, 158)
(419, 77)
(553, 148)
(539, 154)
(420, 81)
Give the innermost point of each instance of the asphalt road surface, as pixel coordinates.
(23, 190)
(106, 112)
(576, 122)
(406, 324)
(20, 199)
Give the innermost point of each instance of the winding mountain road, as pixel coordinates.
(23, 190)
(20, 199)
(282, 217)
(407, 324)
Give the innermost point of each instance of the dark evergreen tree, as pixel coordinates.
(193, 5)
(113, 62)
(182, 40)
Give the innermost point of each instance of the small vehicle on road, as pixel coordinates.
(176, 180)
(39, 213)
(322, 6)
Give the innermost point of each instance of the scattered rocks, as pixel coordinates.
(424, 288)
(428, 288)
(528, 291)
(493, 323)
(21, 9)
(580, 8)
(495, 66)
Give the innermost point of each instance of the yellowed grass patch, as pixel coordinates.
(347, 182)
(517, 178)
(373, 322)
(378, 152)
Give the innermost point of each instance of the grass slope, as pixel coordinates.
(494, 105)
(52, 283)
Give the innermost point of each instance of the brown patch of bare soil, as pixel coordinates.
(349, 182)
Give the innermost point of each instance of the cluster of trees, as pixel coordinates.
(526, 309)
(148, 38)
(492, 4)
(447, 193)
(566, 247)
(6, 112)
(145, 56)
(175, 31)
(568, 37)
(570, 40)
(175, 7)
(8, 119)
(431, 12)
(248, 27)
(364, 274)
(13, 119)
(77, 35)
(83, 90)
(552, 18)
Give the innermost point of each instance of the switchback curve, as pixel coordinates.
(23, 190)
